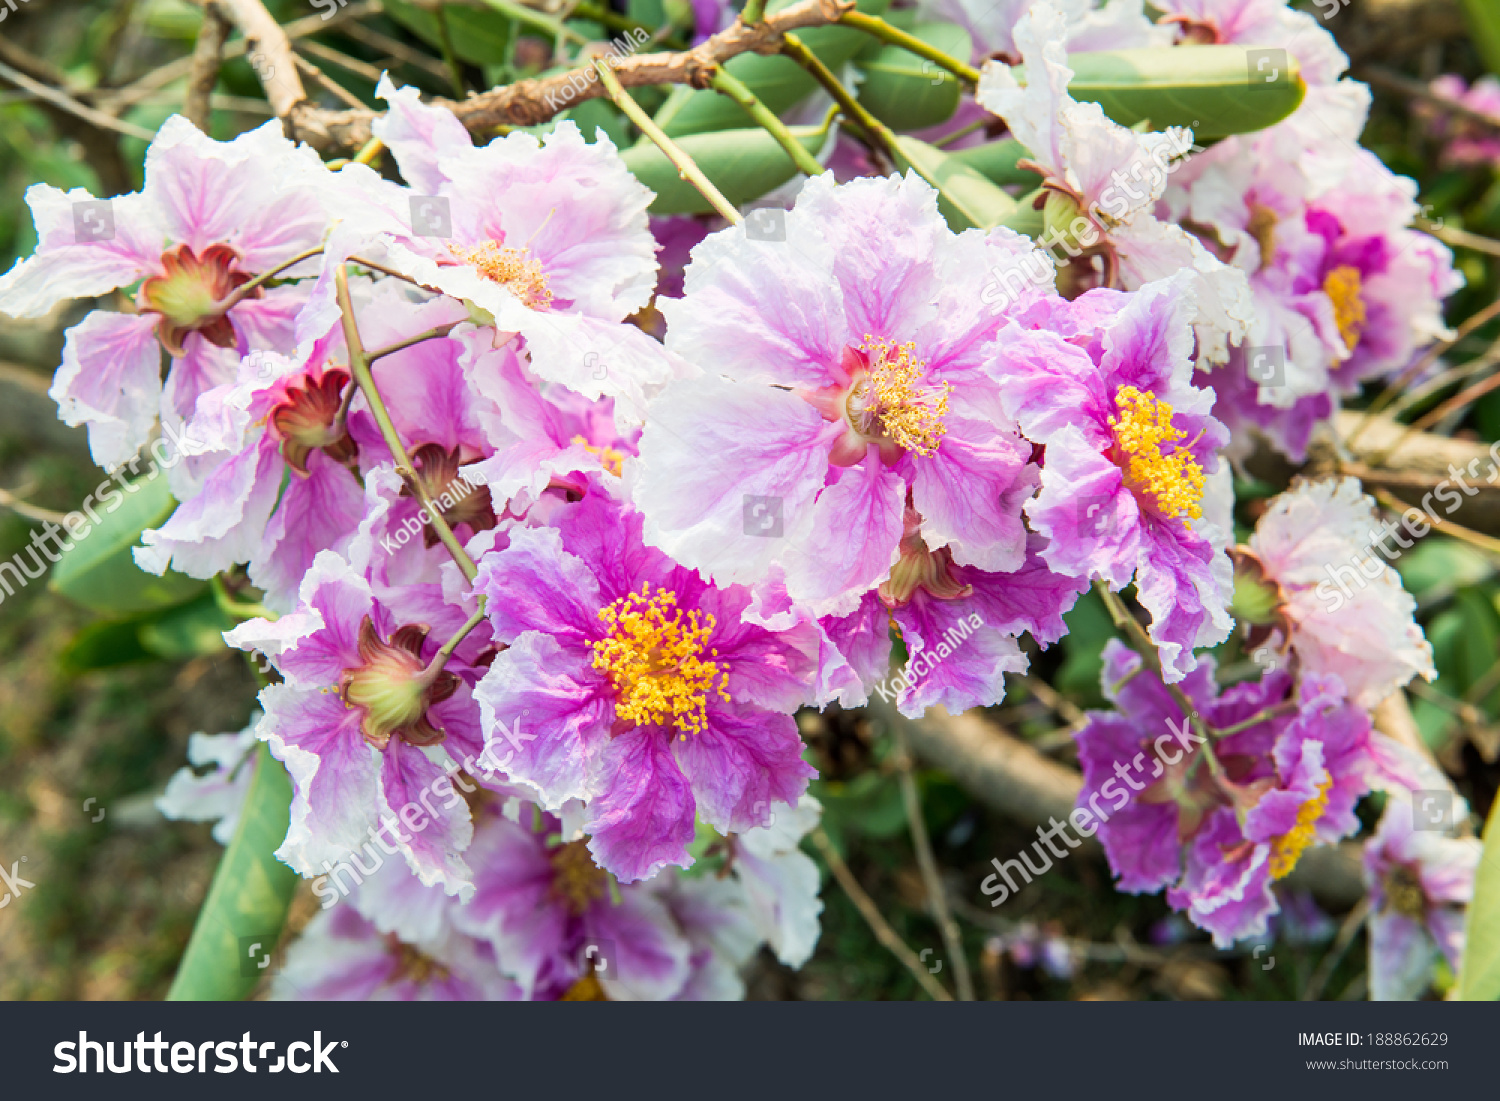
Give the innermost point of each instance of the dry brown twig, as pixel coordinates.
(526, 102)
(208, 55)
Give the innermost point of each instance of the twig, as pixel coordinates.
(687, 168)
(1455, 403)
(726, 84)
(1341, 943)
(1405, 85)
(450, 56)
(1052, 698)
(876, 921)
(359, 367)
(204, 75)
(532, 102)
(878, 133)
(874, 25)
(394, 49)
(361, 69)
(278, 69)
(1447, 527)
(430, 334)
(927, 862)
(1389, 394)
(348, 98)
(28, 510)
(1460, 238)
(72, 106)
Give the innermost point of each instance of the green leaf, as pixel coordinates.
(743, 164)
(1434, 568)
(174, 634)
(248, 899)
(1484, 26)
(479, 37)
(907, 92)
(1479, 972)
(100, 573)
(778, 82)
(104, 646)
(1216, 90)
(997, 160)
(965, 196)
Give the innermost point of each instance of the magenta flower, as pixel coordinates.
(1420, 882)
(1467, 144)
(846, 377)
(361, 703)
(549, 237)
(210, 216)
(632, 685)
(960, 626)
(1128, 487)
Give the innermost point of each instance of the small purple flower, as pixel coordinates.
(1128, 487)
(638, 689)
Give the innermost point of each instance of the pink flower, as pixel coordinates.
(1128, 479)
(847, 378)
(211, 216)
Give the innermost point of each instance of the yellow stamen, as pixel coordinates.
(1289, 847)
(909, 416)
(576, 880)
(609, 458)
(653, 657)
(1342, 286)
(1173, 478)
(515, 269)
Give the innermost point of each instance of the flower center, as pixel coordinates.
(1262, 227)
(653, 657)
(515, 269)
(1172, 478)
(394, 687)
(608, 457)
(921, 568)
(413, 965)
(576, 880)
(187, 294)
(1342, 286)
(1287, 849)
(1403, 892)
(459, 500)
(307, 419)
(889, 396)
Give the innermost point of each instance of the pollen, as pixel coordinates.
(577, 882)
(1152, 461)
(1287, 849)
(910, 415)
(608, 457)
(1343, 286)
(515, 269)
(653, 656)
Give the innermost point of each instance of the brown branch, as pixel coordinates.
(532, 102)
(208, 53)
(1406, 86)
(270, 53)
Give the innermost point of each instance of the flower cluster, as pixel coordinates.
(549, 556)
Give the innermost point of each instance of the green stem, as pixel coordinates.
(754, 12)
(874, 25)
(957, 135)
(1286, 707)
(687, 168)
(613, 20)
(728, 85)
(1143, 645)
(234, 297)
(430, 334)
(440, 658)
(359, 367)
(879, 134)
(233, 608)
(522, 14)
(450, 57)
